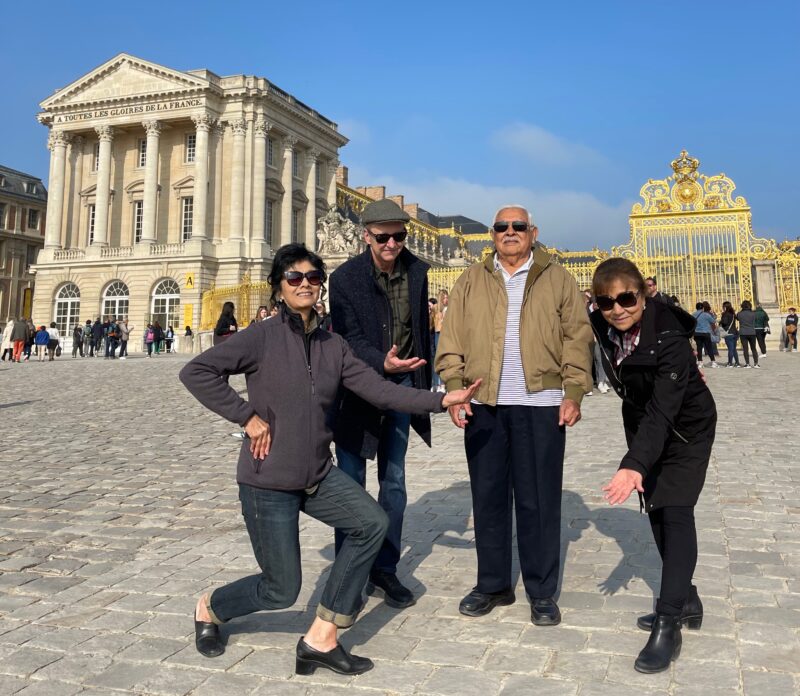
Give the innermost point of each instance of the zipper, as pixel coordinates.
(680, 437)
(307, 351)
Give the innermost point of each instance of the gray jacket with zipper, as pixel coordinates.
(293, 379)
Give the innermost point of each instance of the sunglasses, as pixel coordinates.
(516, 225)
(295, 278)
(384, 237)
(626, 300)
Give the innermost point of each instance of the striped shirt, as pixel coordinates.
(513, 391)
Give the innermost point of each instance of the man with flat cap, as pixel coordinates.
(379, 304)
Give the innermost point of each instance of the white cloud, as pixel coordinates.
(566, 219)
(543, 147)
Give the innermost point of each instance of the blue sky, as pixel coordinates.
(565, 107)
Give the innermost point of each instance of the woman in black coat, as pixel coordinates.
(226, 324)
(670, 418)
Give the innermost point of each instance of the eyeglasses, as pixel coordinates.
(295, 278)
(384, 237)
(626, 300)
(516, 225)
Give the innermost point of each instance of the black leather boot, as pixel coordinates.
(207, 639)
(691, 614)
(663, 646)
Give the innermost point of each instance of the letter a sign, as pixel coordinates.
(190, 281)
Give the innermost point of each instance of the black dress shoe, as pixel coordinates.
(545, 612)
(207, 639)
(337, 660)
(481, 603)
(395, 594)
(691, 614)
(663, 646)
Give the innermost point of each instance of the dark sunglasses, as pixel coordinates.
(295, 278)
(384, 237)
(516, 225)
(626, 300)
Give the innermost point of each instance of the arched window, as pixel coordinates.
(115, 300)
(68, 308)
(166, 303)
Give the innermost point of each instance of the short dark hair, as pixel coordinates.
(286, 257)
(747, 305)
(616, 269)
(653, 278)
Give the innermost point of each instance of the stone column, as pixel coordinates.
(312, 162)
(236, 232)
(260, 130)
(333, 165)
(55, 195)
(150, 202)
(286, 181)
(72, 201)
(219, 136)
(103, 191)
(203, 122)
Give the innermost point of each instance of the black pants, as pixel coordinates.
(749, 342)
(676, 538)
(516, 462)
(761, 337)
(703, 343)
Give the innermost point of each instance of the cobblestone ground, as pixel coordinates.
(118, 507)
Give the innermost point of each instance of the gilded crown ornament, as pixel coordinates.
(685, 167)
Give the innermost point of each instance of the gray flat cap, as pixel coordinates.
(383, 210)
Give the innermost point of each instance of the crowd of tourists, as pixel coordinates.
(514, 346)
(22, 339)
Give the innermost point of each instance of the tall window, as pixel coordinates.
(30, 255)
(269, 214)
(91, 223)
(115, 300)
(270, 152)
(295, 165)
(68, 308)
(33, 219)
(187, 212)
(191, 147)
(96, 157)
(138, 220)
(295, 225)
(2, 216)
(141, 155)
(318, 175)
(166, 303)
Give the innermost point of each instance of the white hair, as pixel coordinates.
(514, 205)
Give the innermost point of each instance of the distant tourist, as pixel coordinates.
(169, 337)
(702, 334)
(189, 331)
(762, 329)
(653, 292)
(88, 346)
(149, 339)
(41, 340)
(77, 340)
(729, 333)
(324, 317)
(18, 335)
(226, 324)
(7, 345)
(158, 337)
(747, 333)
(262, 313)
(124, 336)
(790, 326)
(54, 341)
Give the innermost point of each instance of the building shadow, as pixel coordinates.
(18, 403)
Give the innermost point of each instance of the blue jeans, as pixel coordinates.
(391, 480)
(272, 519)
(733, 355)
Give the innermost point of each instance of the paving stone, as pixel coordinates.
(760, 683)
(518, 685)
(155, 679)
(459, 681)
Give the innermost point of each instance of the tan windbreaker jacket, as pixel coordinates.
(555, 335)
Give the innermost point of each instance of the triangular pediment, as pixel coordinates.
(124, 77)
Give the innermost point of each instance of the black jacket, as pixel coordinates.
(293, 381)
(361, 314)
(668, 411)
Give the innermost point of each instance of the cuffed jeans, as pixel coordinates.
(516, 463)
(392, 495)
(272, 519)
(676, 538)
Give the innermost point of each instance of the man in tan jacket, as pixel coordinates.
(517, 321)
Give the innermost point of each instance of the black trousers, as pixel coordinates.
(749, 342)
(516, 463)
(676, 538)
(704, 343)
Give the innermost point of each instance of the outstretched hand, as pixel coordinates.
(394, 365)
(458, 403)
(625, 482)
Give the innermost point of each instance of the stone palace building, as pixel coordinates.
(165, 183)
